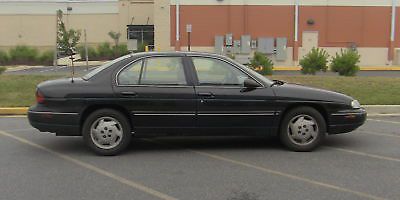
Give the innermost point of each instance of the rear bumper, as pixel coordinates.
(346, 121)
(61, 123)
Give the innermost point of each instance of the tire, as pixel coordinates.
(302, 129)
(107, 132)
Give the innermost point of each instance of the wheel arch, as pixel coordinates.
(321, 109)
(90, 109)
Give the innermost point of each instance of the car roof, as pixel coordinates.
(176, 53)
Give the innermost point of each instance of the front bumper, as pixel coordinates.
(61, 123)
(346, 120)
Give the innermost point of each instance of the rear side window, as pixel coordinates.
(154, 71)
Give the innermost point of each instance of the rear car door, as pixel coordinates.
(222, 101)
(157, 93)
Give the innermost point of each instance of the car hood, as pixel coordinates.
(290, 91)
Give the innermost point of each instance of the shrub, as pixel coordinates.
(120, 50)
(315, 60)
(23, 55)
(92, 54)
(4, 59)
(346, 62)
(261, 64)
(46, 58)
(2, 69)
(104, 51)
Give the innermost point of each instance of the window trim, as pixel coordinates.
(197, 83)
(142, 59)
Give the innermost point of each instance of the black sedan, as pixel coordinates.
(191, 94)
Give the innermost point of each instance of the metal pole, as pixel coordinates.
(55, 62)
(296, 22)
(189, 41)
(393, 25)
(86, 50)
(177, 20)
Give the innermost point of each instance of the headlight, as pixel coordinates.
(355, 104)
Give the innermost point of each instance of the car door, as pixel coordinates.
(157, 93)
(224, 103)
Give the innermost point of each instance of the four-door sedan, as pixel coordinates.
(187, 93)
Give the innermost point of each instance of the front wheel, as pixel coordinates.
(107, 132)
(302, 129)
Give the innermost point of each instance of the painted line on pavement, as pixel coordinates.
(386, 121)
(17, 130)
(13, 116)
(274, 172)
(379, 134)
(386, 158)
(93, 168)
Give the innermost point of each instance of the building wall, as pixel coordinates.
(340, 24)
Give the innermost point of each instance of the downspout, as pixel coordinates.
(392, 32)
(177, 37)
(296, 32)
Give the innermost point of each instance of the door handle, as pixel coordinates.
(128, 94)
(206, 94)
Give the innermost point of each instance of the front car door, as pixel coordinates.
(224, 105)
(157, 93)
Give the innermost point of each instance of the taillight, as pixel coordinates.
(39, 97)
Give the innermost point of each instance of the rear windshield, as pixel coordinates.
(101, 68)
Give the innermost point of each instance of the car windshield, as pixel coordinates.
(101, 68)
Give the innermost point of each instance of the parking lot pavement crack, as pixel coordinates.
(272, 171)
(93, 168)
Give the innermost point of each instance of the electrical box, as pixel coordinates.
(132, 45)
(281, 49)
(266, 45)
(253, 44)
(229, 39)
(219, 44)
(236, 46)
(245, 44)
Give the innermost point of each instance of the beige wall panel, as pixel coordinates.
(34, 30)
(369, 56)
(97, 26)
(162, 28)
(136, 12)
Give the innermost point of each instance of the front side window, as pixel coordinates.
(154, 71)
(216, 72)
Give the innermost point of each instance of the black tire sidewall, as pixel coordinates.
(126, 137)
(284, 137)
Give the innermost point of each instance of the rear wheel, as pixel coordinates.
(302, 129)
(107, 132)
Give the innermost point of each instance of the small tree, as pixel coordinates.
(315, 60)
(67, 40)
(346, 62)
(261, 64)
(115, 36)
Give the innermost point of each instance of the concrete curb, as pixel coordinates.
(372, 110)
(14, 111)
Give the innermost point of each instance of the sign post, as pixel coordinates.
(189, 31)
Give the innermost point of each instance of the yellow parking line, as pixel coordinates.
(379, 120)
(276, 172)
(93, 168)
(12, 116)
(366, 154)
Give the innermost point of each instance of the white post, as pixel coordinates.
(296, 21)
(177, 20)
(393, 26)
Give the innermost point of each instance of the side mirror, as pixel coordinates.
(250, 83)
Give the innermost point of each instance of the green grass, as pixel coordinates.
(368, 90)
(19, 90)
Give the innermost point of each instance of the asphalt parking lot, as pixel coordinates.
(364, 164)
